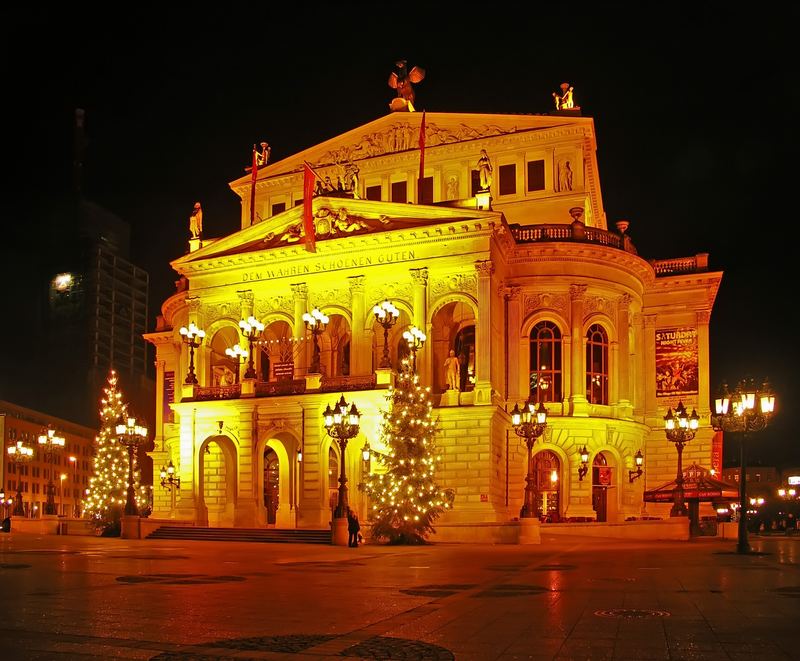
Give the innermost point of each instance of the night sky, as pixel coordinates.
(694, 111)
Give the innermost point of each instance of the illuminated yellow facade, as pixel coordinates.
(525, 283)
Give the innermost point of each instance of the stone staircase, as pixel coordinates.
(264, 535)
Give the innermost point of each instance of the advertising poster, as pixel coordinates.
(716, 452)
(169, 395)
(676, 361)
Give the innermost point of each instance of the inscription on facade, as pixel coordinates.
(332, 264)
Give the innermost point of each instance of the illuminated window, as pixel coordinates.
(545, 362)
(535, 175)
(597, 365)
(508, 179)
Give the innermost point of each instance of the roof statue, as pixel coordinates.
(196, 221)
(564, 100)
(262, 158)
(402, 80)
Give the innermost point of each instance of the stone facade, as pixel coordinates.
(482, 281)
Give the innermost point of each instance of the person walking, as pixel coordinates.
(353, 526)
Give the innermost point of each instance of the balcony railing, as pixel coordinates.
(679, 265)
(277, 388)
(218, 392)
(293, 387)
(574, 232)
(347, 383)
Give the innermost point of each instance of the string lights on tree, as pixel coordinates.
(405, 499)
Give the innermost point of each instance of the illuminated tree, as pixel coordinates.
(105, 497)
(405, 499)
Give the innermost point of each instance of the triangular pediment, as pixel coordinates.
(334, 218)
(399, 132)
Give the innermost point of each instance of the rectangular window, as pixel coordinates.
(373, 193)
(426, 191)
(297, 203)
(508, 179)
(475, 182)
(400, 191)
(280, 207)
(535, 175)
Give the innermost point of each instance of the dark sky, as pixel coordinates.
(694, 109)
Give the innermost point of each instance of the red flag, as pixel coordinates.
(422, 149)
(308, 213)
(254, 176)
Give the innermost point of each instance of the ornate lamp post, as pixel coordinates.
(239, 355)
(169, 480)
(680, 429)
(251, 329)
(20, 454)
(386, 315)
(584, 467)
(746, 411)
(193, 337)
(635, 475)
(342, 425)
(5, 503)
(529, 423)
(416, 339)
(50, 443)
(316, 322)
(131, 436)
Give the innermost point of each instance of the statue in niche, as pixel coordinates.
(452, 188)
(452, 370)
(402, 80)
(564, 100)
(564, 176)
(196, 221)
(485, 171)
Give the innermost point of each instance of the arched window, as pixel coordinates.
(546, 474)
(271, 483)
(545, 362)
(333, 478)
(597, 365)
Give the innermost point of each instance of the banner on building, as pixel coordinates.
(169, 396)
(716, 453)
(676, 361)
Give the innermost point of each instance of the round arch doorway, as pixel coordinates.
(601, 482)
(271, 485)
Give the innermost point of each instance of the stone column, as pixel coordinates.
(578, 404)
(186, 501)
(360, 348)
(419, 279)
(638, 356)
(513, 366)
(483, 333)
(649, 371)
(300, 295)
(624, 358)
(245, 514)
(245, 310)
(703, 386)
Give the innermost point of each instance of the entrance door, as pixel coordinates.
(601, 481)
(271, 476)
(600, 503)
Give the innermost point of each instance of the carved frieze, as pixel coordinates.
(403, 136)
(271, 304)
(222, 311)
(391, 291)
(598, 304)
(459, 282)
(331, 297)
(546, 301)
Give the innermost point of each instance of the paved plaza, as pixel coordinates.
(93, 598)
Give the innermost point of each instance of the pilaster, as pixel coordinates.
(483, 333)
(419, 286)
(577, 399)
(513, 359)
(703, 351)
(300, 296)
(360, 347)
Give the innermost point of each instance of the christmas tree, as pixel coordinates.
(405, 498)
(107, 492)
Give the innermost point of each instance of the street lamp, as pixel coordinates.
(50, 443)
(193, 337)
(62, 477)
(239, 355)
(20, 454)
(635, 475)
(746, 411)
(168, 478)
(342, 425)
(366, 454)
(131, 435)
(416, 339)
(584, 467)
(251, 329)
(680, 428)
(386, 315)
(3, 502)
(529, 423)
(316, 322)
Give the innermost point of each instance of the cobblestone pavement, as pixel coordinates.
(91, 598)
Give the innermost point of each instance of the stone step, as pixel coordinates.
(266, 535)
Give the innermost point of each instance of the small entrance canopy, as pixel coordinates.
(698, 484)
